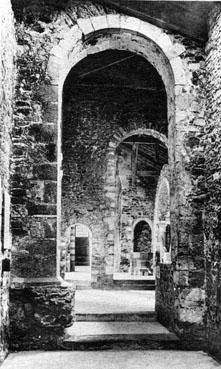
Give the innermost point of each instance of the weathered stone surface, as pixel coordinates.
(36, 257)
(39, 315)
(210, 181)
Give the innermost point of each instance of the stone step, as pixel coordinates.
(80, 285)
(118, 335)
(145, 316)
(134, 284)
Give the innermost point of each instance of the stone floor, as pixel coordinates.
(151, 359)
(113, 301)
(114, 328)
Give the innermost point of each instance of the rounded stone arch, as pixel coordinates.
(77, 223)
(143, 219)
(118, 139)
(70, 49)
(123, 135)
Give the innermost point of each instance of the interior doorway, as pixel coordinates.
(78, 259)
(140, 157)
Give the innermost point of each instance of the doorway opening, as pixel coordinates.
(78, 257)
(140, 158)
(142, 261)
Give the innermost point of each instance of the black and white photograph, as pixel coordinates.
(110, 184)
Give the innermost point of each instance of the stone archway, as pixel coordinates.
(117, 32)
(111, 187)
(154, 45)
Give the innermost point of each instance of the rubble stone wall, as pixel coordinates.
(39, 316)
(89, 163)
(210, 182)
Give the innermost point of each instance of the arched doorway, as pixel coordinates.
(142, 262)
(140, 156)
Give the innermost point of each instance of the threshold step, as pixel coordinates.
(134, 284)
(146, 316)
(119, 335)
(80, 285)
(124, 285)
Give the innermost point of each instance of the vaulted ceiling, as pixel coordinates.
(122, 82)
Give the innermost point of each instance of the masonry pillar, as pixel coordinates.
(180, 301)
(41, 303)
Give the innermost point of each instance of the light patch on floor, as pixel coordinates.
(113, 301)
(153, 359)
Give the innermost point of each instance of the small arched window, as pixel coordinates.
(142, 237)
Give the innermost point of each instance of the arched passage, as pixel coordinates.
(137, 157)
(121, 33)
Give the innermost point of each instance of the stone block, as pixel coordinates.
(44, 133)
(178, 71)
(41, 209)
(48, 92)
(36, 190)
(45, 171)
(35, 258)
(99, 22)
(43, 228)
(54, 68)
(50, 192)
(57, 51)
(85, 26)
(131, 23)
(150, 31)
(113, 21)
(50, 113)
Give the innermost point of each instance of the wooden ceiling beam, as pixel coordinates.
(107, 85)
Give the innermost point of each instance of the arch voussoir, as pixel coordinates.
(72, 42)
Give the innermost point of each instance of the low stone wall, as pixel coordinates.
(165, 296)
(39, 315)
(171, 313)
